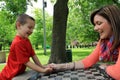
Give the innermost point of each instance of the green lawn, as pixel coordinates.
(77, 54)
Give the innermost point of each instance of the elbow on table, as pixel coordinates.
(113, 71)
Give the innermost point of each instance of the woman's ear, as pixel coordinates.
(18, 25)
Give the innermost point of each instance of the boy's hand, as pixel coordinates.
(48, 70)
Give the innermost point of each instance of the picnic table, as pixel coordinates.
(93, 73)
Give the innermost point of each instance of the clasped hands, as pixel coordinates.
(52, 68)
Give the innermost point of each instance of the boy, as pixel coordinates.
(21, 50)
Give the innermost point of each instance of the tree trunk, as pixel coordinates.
(2, 56)
(58, 51)
(0, 47)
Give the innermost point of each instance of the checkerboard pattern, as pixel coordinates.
(93, 73)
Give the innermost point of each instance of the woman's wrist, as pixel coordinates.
(73, 66)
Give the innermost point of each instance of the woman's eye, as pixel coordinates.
(98, 23)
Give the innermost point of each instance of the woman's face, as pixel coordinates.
(102, 26)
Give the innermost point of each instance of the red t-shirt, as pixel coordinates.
(20, 52)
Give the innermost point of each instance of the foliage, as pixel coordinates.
(37, 36)
(6, 28)
(8, 13)
(15, 6)
(79, 27)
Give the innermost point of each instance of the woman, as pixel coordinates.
(106, 21)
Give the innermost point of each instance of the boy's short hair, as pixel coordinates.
(22, 18)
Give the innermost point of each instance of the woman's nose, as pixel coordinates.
(96, 28)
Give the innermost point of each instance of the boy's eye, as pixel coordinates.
(30, 27)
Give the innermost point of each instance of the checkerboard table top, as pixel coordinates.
(93, 73)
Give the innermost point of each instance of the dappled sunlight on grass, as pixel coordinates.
(76, 58)
(43, 59)
(41, 52)
(80, 53)
(2, 66)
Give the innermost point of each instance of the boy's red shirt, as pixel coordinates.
(20, 52)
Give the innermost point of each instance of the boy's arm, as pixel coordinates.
(34, 67)
(38, 68)
(36, 60)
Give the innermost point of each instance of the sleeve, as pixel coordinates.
(92, 58)
(30, 48)
(114, 70)
(32, 52)
(21, 52)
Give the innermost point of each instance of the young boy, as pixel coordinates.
(21, 50)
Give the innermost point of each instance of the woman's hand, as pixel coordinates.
(57, 67)
(54, 66)
(103, 66)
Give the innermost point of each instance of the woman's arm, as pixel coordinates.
(114, 70)
(92, 58)
(85, 63)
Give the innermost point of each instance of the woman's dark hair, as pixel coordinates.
(112, 14)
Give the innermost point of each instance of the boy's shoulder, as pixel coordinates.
(19, 40)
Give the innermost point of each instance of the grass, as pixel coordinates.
(77, 54)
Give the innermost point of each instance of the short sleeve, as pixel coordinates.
(32, 52)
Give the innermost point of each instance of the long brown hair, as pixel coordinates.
(112, 14)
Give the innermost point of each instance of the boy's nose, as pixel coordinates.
(30, 31)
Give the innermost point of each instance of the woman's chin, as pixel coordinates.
(102, 37)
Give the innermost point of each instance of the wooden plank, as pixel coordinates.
(25, 76)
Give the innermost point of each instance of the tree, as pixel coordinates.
(8, 14)
(79, 11)
(37, 36)
(6, 29)
(59, 32)
(79, 26)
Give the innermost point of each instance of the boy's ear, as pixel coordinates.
(17, 24)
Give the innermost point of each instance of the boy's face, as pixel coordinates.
(26, 29)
